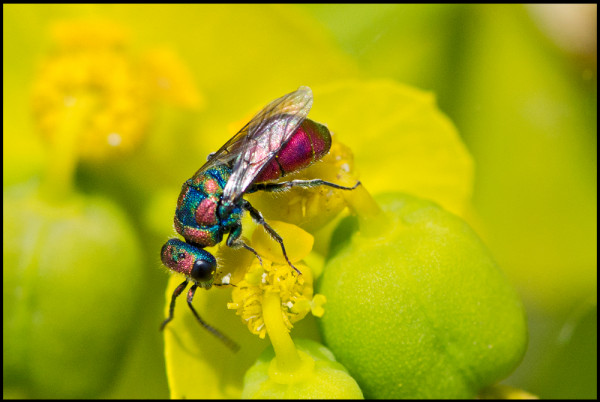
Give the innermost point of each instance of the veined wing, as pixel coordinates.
(227, 154)
(265, 134)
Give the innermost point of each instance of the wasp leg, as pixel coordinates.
(230, 344)
(258, 218)
(234, 241)
(178, 290)
(298, 183)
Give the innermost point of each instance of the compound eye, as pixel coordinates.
(203, 270)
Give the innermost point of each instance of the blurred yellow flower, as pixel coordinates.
(91, 61)
(170, 79)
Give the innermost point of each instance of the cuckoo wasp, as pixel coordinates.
(277, 141)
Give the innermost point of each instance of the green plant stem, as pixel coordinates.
(372, 221)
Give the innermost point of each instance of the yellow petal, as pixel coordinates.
(298, 242)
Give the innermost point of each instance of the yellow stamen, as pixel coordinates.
(294, 291)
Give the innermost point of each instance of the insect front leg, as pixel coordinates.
(230, 344)
(178, 290)
(258, 218)
(298, 183)
(234, 241)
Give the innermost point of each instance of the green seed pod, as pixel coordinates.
(420, 310)
(71, 282)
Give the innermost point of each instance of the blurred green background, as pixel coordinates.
(519, 82)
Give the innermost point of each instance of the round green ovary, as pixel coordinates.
(324, 378)
(422, 311)
(70, 291)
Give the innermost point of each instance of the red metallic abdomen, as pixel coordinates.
(308, 144)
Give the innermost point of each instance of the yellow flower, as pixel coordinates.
(270, 299)
(295, 292)
(91, 63)
(170, 78)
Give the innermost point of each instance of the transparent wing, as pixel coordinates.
(227, 153)
(260, 140)
(292, 110)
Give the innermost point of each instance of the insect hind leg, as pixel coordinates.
(258, 218)
(299, 183)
